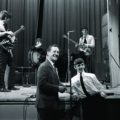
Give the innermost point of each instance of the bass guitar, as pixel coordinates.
(8, 43)
(81, 47)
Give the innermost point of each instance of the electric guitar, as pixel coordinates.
(8, 43)
(81, 47)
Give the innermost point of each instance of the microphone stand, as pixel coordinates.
(69, 73)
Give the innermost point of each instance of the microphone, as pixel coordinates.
(65, 36)
(71, 31)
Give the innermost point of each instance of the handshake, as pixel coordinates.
(62, 88)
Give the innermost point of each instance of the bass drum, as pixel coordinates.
(33, 58)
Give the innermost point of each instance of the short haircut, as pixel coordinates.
(78, 61)
(84, 27)
(5, 14)
(54, 45)
(38, 40)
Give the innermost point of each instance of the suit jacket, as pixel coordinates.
(47, 87)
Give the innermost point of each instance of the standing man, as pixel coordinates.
(6, 55)
(48, 86)
(85, 47)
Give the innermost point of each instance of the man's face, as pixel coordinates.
(6, 20)
(38, 44)
(80, 67)
(84, 31)
(53, 54)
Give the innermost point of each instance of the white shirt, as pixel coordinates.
(53, 66)
(2, 28)
(50, 62)
(91, 83)
(90, 40)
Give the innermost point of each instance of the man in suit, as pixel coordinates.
(48, 86)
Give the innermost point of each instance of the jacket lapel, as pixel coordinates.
(52, 68)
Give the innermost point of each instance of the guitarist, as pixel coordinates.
(5, 57)
(85, 47)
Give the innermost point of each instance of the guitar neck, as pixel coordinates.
(70, 39)
(73, 41)
(18, 31)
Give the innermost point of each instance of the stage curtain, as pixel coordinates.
(60, 16)
(24, 12)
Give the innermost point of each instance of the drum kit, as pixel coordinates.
(33, 57)
(36, 55)
(25, 73)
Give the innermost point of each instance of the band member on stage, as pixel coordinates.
(86, 46)
(5, 56)
(36, 56)
(38, 48)
(48, 86)
(87, 89)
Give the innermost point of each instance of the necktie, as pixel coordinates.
(85, 41)
(55, 69)
(83, 86)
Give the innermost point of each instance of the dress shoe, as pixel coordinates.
(1, 89)
(4, 90)
(13, 88)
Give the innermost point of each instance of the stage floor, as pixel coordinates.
(25, 92)
(18, 95)
(17, 105)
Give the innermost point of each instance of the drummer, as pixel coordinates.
(38, 43)
(40, 52)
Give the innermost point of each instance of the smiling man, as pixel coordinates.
(48, 86)
(87, 89)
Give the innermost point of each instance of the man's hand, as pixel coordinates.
(10, 33)
(62, 89)
(103, 94)
(75, 97)
(86, 45)
(76, 45)
(82, 45)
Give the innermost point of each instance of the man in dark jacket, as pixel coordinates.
(48, 86)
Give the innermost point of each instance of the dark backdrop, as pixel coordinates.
(59, 16)
(24, 12)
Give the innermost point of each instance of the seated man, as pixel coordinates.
(90, 91)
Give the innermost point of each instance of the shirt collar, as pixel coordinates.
(51, 62)
(83, 73)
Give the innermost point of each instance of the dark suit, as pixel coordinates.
(47, 101)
